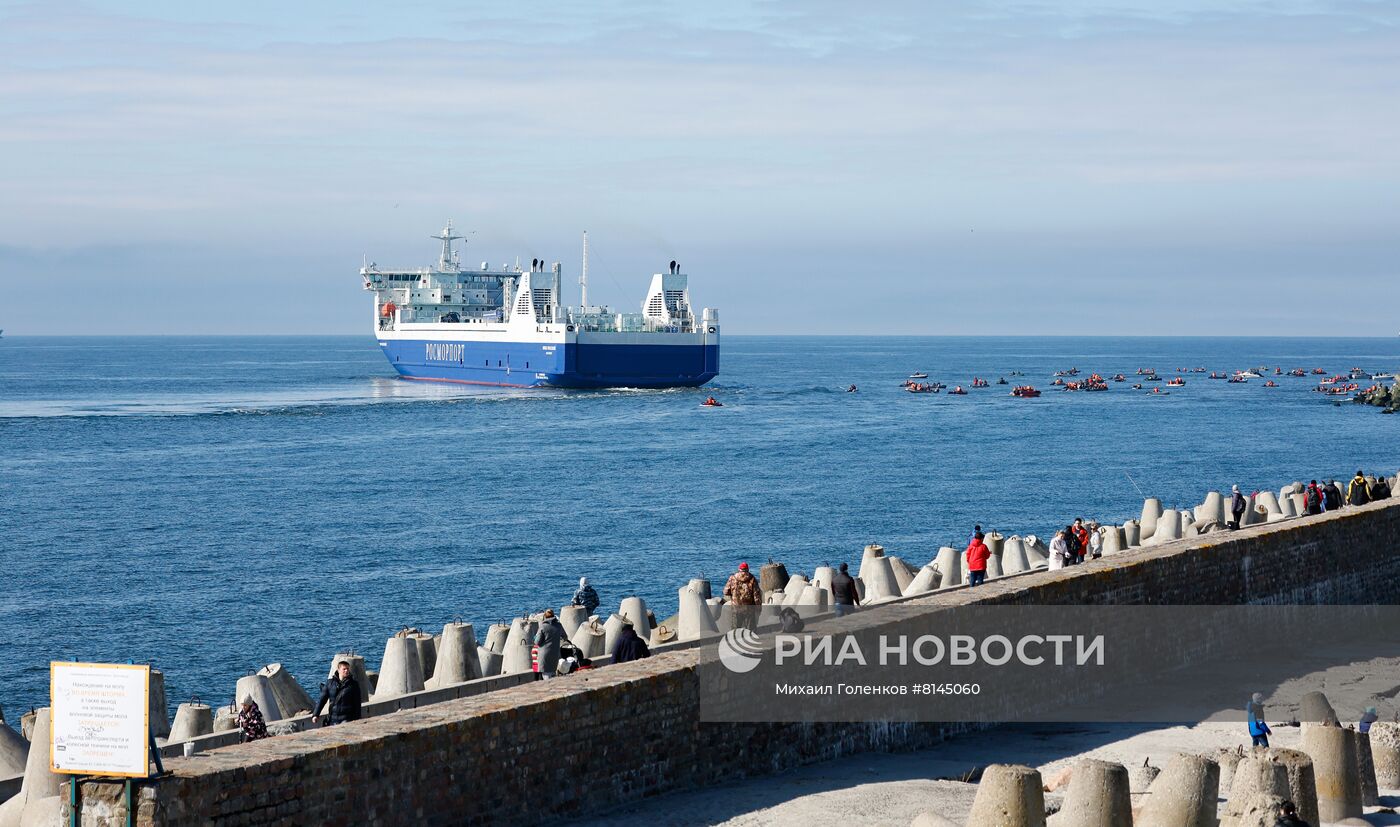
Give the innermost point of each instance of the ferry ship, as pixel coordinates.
(507, 326)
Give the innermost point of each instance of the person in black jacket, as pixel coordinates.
(844, 594)
(342, 693)
(1288, 816)
(629, 646)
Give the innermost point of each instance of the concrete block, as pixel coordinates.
(262, 693)
(1184, 795)
(291, 698)
(401, 672)
(191, 721)
(1009, 795)
(1385, 753)
(1335, 771)
(1302, 785)
(1098, 796)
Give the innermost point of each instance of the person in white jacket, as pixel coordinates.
(1059, 551)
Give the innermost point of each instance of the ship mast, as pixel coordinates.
(446, 262)
(583, 274)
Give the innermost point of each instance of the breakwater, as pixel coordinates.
(609, 736)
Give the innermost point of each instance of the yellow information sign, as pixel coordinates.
(100, 719)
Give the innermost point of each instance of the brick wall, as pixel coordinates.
(610, 736)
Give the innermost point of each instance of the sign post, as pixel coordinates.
(100, 723)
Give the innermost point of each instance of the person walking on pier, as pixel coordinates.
(1332, 496)
(1312, 499)
(1356, 491)
(977, 556)
(586, 596)
(1238, 504)
(844, 594)
(250, 721)
(745, 596)
(342, 694)
(549, 639)
(1258, 730)
(1059, 551)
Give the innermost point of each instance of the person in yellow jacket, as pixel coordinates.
(1357, 493)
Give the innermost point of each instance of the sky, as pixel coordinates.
(1119, 168)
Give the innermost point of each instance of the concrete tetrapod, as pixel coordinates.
(822, 577)
(515, 657)
(1151, 510)
(1098, 796)
(695, 620)
(879, 578)
(1334, 770)
(427, 653)
(260, 688)
(1385, 753)
(160, 710)
(1168, 528)
(1366, 768)
(611, 630)
(1013, 557)
(1184, 795)
(457, 659)
(191, 721)
(701, 586)
(903, 572)
(1009, 795)
(1112, 539)
(1258, 810)
(1300, 504)
(291, 698)
(792, 592)
(1314, 708)
(1256, 774)
(1213, 509)
(39, 782)
(14, 751)
(490, 661)
(813, 602)
(1267, 501)
(1036, 551)
(400, 672)
(925, 581)
(772, 576)
(357, 671)
(570, 617)
(496, 635)
(870, 553)
(589, 639)
(1227, 758)
(635, 610)
(949, 567)
(996, 545)
(1132, 534)
(1285, 507)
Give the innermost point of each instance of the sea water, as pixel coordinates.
(211, 505)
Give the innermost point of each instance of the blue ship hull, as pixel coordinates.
(564, 365)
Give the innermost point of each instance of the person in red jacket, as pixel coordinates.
(1081, 534)
(977, 555)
